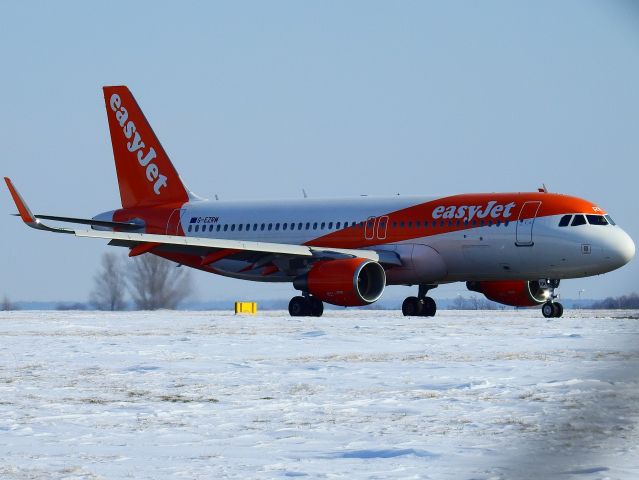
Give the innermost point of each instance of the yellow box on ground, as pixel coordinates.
(246, 308)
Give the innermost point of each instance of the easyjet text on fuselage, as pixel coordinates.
(469, 212)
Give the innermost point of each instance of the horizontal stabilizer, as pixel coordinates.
(127, 226)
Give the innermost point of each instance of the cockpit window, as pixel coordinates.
(578, 220)
(565, 220)
(610, 220)
(597, 220)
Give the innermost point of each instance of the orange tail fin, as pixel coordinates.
(146, 175)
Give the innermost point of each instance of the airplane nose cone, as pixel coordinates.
(623, 249)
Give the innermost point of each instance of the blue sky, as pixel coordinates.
(262, 99)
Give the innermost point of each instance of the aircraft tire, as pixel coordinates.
(298, 307)
(548, 310)
(429, 307)
(412, 307)
(316, 307)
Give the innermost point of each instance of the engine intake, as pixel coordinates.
(350, 282)
(516, 293)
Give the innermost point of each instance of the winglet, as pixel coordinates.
(23, 209)
(25, 212)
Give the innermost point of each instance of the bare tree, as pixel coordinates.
(156, 283)
(110, 284)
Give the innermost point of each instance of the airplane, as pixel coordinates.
(514, 248)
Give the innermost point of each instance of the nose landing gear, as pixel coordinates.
(421, 305)
(551, 309)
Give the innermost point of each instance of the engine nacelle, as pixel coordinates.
(516, 293)
(349, 282)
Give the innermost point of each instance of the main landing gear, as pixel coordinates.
(551, 309)
(306, 306)
(421, 305)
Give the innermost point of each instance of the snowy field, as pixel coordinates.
(355, 394)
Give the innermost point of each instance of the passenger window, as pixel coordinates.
(308, 225)
(210, 228)
(239, 227)
(217, 229)
(578, 220)
(197, 228)
(330, 225)
(270, 227)
(248, 227)
(314, 225)
(610, 220)
(285, 226)
(565, 220)
(190, 227)
(417, 224)
(262, 227)
(323, 226)
(353, 224)
(233, 228)
(596, 220)
(254, 226)
(226, 227)
(299, 226)
(338, 225)
(277, 226)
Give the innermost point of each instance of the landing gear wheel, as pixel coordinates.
(298, 307)
(316, 307)
(412, 307)
(429, 307)
(558, 309)
(548, 310)
(552, 310)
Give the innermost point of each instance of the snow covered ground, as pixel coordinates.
(207, 395)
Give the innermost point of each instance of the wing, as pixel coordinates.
(210, 249)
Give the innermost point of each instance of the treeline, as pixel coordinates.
(624, 302)
(474, 303)
(146, 282)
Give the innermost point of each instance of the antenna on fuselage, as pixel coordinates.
(543, 188)
(216, 197)
(304, 193)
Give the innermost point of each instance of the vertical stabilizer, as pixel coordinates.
(146, 175)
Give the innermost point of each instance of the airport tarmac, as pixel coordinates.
(354, 394)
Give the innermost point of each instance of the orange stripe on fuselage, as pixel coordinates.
(449, 216)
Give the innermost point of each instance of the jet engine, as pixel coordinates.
(349, 282)
(516, 293)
